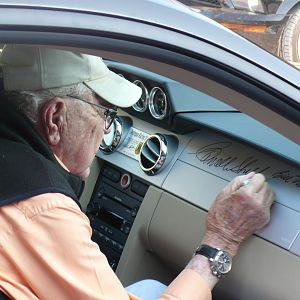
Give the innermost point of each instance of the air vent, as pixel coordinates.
(120, 129)
(156, 151)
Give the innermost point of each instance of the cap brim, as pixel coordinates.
(115, 89)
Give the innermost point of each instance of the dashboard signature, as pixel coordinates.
(216, 155)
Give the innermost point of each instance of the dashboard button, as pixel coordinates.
(139, 188)
(134, 212)
(111, 173)
(125, 180)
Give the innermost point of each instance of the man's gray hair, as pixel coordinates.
(30, 102)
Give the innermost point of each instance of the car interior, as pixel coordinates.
(160, 168)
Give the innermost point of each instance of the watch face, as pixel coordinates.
(221, 264)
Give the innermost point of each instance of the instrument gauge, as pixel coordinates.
(142, 104)
(158, 103)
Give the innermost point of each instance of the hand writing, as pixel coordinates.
(238, 212)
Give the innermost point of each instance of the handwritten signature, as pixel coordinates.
(213, 155)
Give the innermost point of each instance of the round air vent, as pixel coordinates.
(119, 131)
(156, 151)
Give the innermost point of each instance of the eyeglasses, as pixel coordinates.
(109, 113)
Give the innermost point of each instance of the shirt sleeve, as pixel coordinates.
(46, 252)
(50, 254)
(188, 285)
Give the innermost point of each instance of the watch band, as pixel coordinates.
(207, 251)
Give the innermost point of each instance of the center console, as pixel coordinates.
(114, 204)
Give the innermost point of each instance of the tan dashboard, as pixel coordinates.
(169, 221)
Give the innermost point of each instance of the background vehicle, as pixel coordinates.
(272, 24)
(221, 105)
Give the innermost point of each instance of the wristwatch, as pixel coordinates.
(220, 261)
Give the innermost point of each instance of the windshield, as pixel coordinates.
(273, 25)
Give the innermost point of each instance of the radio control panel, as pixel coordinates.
(114, 204)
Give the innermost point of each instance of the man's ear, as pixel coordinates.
(53, 118)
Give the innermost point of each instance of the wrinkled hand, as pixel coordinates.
(238, 212)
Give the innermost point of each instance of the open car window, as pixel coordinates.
(213, 106)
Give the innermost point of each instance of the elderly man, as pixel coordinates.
(55, 109)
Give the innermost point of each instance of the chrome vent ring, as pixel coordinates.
(154, 152)
(118, 134)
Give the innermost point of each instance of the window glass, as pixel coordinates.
(271, 24)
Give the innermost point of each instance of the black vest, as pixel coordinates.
(27, 164)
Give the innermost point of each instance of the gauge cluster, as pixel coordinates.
(154, 100)
(163, 100)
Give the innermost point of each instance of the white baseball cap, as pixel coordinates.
(30, 68)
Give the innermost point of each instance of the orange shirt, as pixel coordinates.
(46, 252)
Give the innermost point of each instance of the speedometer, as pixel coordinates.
(158, 103)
